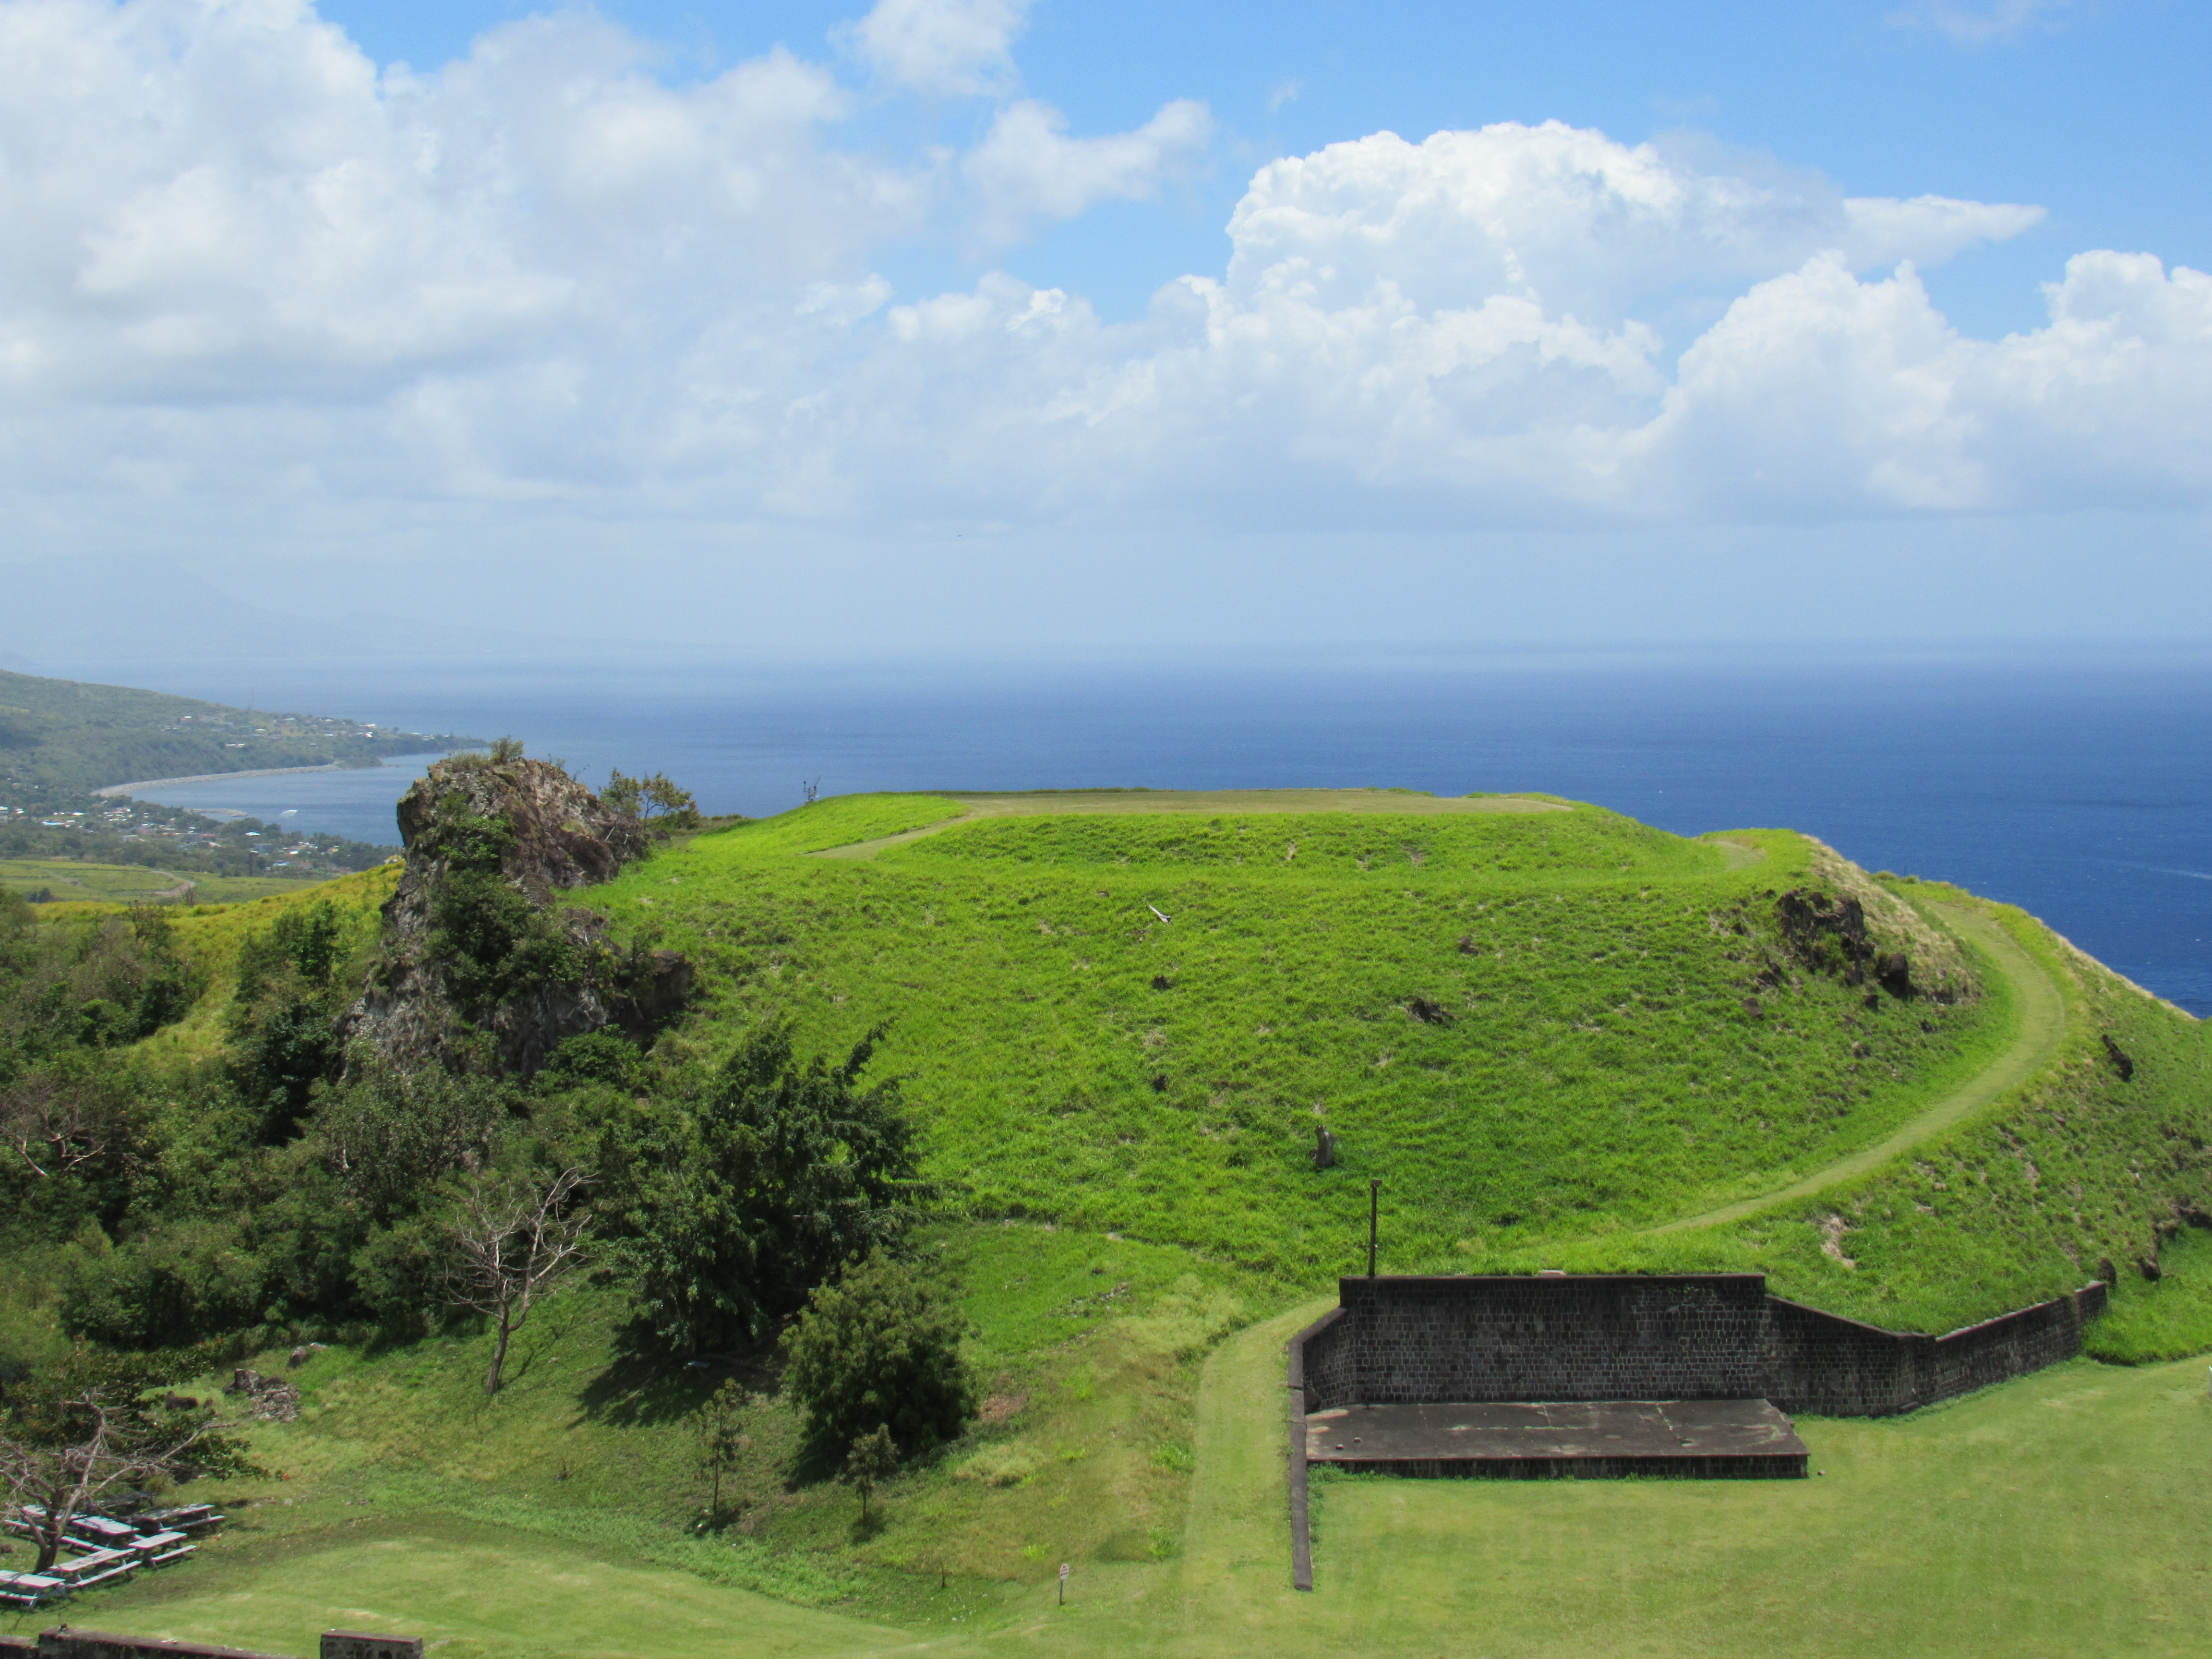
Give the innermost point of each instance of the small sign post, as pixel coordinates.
(1374, 1210)
(1063, 1583)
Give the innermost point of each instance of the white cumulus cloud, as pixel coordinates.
(1027, 168)
(940, 45)
(245, 267)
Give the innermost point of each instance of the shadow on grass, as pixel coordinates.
(641, 1386)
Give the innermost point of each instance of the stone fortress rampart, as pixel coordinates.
(1413, 1341)
(1407, 1340)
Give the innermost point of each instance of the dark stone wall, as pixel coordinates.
(356, 1644)
(1554, 1337)
(1717, 1336)
(63, 1643)
(1835, 1367)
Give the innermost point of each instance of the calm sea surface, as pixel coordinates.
(2076, 789)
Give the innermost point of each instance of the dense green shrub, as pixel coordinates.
(603, 1057)
(95, 982)
(189, 1279)
(294, 984)
(732, 1202)
(388, 1135)
(494, 945)
(880, 1350)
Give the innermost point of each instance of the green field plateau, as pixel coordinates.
(1558, 1038)
(69, 881)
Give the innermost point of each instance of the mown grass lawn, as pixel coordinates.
(2059, 1515)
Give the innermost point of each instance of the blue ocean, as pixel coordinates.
(2075, 786)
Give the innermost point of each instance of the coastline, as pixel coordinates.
(224, 777)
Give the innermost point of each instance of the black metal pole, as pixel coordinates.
(1374, 1204)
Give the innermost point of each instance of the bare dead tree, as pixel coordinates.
(52, 1126)
(51, 1480)
(518, 1241)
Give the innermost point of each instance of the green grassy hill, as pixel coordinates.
(1559, 1038)
(1532, 1021)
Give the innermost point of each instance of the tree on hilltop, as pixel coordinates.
(653, 801)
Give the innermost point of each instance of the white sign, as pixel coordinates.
(1063, 1572)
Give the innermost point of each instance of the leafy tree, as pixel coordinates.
(873, 1458)
(494, 943)
(653, 801)
(87, 1426)
(733, 1203)
(305, 939)
(187, 1279)
(389, 1135)
(283, 1023)
(879, 1353)
(720, 1427)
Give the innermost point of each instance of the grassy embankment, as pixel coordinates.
(1599, 1074)
(1525, 1022)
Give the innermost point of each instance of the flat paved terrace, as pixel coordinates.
(1527, 1440)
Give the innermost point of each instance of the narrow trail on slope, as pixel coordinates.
(2042, 1023)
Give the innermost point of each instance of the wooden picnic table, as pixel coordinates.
(95, 1567)
(30, 1590)
(108, 1535)
(156, 1548)
(186, 1518)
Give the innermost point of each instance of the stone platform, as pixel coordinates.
(1530, 1440)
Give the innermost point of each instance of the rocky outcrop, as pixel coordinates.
(476, 944)
(268, 1398)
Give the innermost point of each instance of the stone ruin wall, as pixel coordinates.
(1717, 1336)
(63, 1643)
(1405, 1339)
(1831, 1366)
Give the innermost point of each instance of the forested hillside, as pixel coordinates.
(61, 739)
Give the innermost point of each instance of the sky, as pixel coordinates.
(1022, 326)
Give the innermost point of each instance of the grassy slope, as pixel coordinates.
(1598, 1067)
(2040, 1518)
(2023, 1201)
